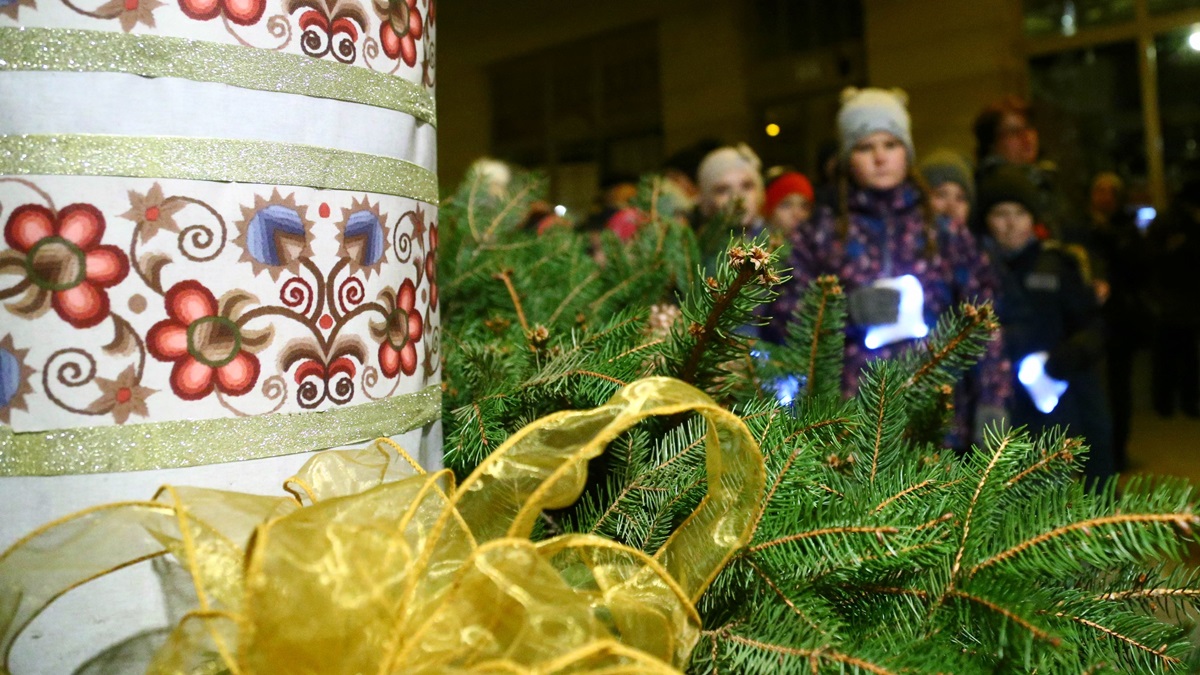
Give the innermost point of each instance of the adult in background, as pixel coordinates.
(899, 270)
(1053, 331)
(1173, 240)
(1119, 266)
(1005, 135)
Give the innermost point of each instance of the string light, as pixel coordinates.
(772, 130)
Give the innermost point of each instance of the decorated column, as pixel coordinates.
(220, 234)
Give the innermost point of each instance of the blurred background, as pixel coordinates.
(584, 90)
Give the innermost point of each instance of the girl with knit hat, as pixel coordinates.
(899, 271)
(788, 204)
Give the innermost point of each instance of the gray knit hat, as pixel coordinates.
(865, 111)
(946, 166)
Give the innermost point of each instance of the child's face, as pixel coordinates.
(738, 186)
(1011, 225)
(950, 200)
(790, 213)
(879, 161)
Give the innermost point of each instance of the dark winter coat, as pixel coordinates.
(1045, 305)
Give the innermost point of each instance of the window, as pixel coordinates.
(1117, 80)
(581, 111)
(1179, 107)
(1067, 17)
(798, 26)
(1089, 114)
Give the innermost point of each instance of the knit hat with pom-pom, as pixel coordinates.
(866, 111)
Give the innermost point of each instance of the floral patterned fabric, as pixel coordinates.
(146, 300)
(886, 237)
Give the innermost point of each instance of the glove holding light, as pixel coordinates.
(1043, 389)
(904, 318)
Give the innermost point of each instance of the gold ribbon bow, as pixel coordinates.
(374, 566)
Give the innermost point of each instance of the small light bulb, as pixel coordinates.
(560, 210)
(772, 130)
(1194, 40)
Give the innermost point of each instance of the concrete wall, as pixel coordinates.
(953, 57)
(703, 83)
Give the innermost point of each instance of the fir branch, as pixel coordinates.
(1151, 593)
(879, 427)
(1067, 453)
(813, 655)
(1183, 521)
(705, 334)
(635, 350)
(783, 596)
(829, 287)
(1010, 615)
(571, 296)
(508, 207)
(516, 300)
(962, 546)
(976, 317)
(902, 493)
(471, 205)
(599, 302)
(851, 529)
(1166, 658)
(816, 425)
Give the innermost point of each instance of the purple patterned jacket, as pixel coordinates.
(886, 238)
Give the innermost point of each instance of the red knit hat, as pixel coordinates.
(790, 183)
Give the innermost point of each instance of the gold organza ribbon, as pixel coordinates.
(375, 566)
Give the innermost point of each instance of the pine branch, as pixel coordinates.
(877, 531)
(814, 656)
(1070, 447)
(1183, 521)
(705, 334)
(906, 491)
(977, 319)
(1166, 659)
(1009, 615)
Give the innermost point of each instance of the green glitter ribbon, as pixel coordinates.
(88, 51)
(214, 159)
(168, 445)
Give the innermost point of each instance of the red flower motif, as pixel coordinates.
(400, 30)
(65, 260)
(431, 267)
(207, 349)
(398, 351)
(243, 12)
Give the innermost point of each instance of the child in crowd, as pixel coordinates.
(899, 271)
(788, 204)
(731, 183)
(951, 185)
(1053, 330)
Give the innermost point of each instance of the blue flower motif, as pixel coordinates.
(365, 226)
(10, 375)
(274, 235)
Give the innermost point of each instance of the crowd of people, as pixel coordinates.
(1077, 285)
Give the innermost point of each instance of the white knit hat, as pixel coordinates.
(865, 111)
(723, 160)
